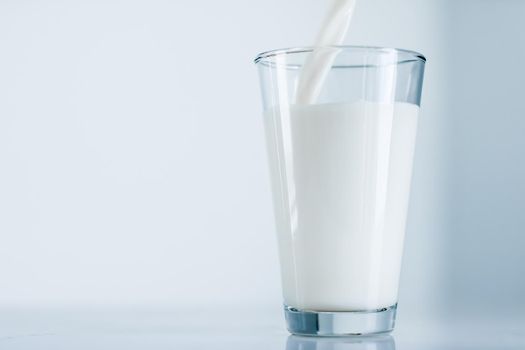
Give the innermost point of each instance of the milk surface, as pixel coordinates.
(340, 176)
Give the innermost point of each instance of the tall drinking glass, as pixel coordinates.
(340, 171)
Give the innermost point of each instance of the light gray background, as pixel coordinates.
(132, 164)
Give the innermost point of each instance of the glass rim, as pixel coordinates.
(412, 55)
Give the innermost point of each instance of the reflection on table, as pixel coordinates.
(378, 342)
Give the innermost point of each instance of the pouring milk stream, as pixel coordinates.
(317, 66)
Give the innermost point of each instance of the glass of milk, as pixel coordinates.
(340, 168)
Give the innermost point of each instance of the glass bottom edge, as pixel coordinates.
(340, 323)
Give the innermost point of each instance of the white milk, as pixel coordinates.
(319, 62)
(341, 186)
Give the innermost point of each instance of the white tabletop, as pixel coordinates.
(171, 328)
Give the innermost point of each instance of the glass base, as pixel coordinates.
(333, 324)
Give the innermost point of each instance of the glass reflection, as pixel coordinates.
(379, 342)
